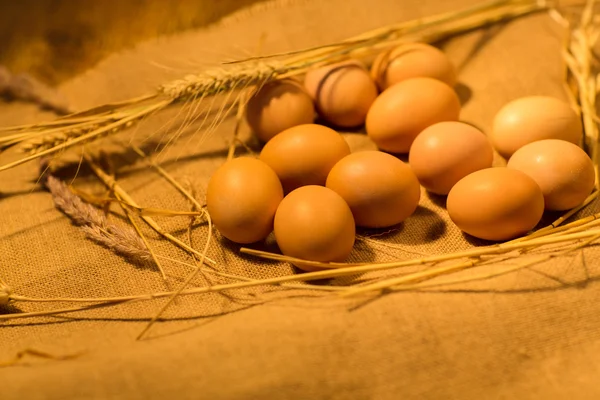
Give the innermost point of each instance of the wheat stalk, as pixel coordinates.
(49, 141)
(90, 136)
(252, 72)
(221, 80)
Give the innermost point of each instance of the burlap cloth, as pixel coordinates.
(526, 335)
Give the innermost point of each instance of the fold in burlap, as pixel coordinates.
(525, 335)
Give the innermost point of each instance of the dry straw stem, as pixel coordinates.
(580, 225)
(198, 263)
(394, 283)
(508, 270)
(579, 59)
(238, 123)
(343, 269)
(590, 235)
(112, 184)
(45, 142)
(90, 115)
(148, 211)
(37, 140)
(112, 127)
(257, 72)
(573, 227)
(436, 28)
(145, 241)
(168, 177)
(50, 134)
(556, 224)
(187, 281)
(410, 278)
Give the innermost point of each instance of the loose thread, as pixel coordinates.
(39, 354)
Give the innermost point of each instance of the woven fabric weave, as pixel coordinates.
(527, 335)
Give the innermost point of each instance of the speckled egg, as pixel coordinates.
(380, 189)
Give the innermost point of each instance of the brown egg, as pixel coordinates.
(534, 118)
(277, 106)
(496, 204)
(563, 171)
(342, 92)
(304, 155)
(402, 111)
(380, 189)
(314, 223)
(242, 197)
(412, 60)
(446, 152)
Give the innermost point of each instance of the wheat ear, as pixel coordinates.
(120, 239)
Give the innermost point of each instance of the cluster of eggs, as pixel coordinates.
(311, 191)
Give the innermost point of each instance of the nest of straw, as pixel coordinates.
(47, 141)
